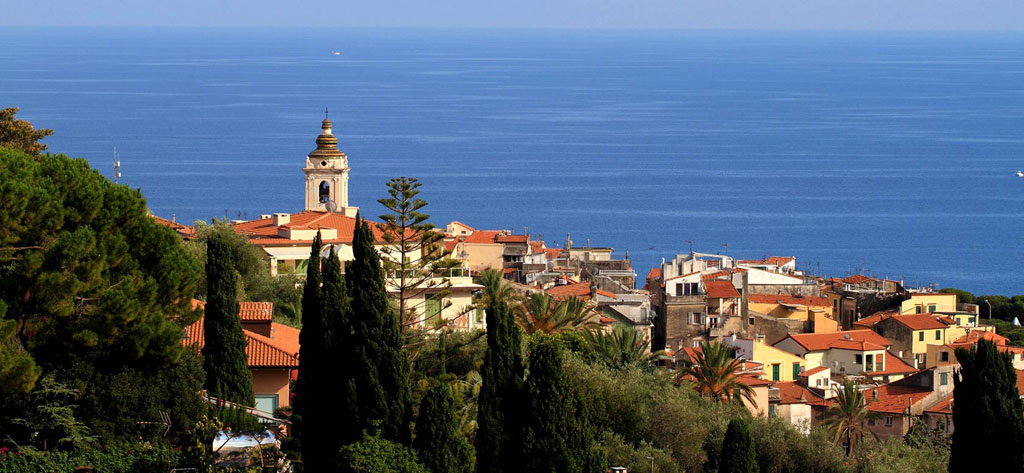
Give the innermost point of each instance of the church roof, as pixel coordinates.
(326, 144)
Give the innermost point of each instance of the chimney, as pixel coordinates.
(281, 219)
(264, 216)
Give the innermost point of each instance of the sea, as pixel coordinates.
(892, 154)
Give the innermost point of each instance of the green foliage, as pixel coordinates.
(619, 348)
(311, 429)
(738, 449)
(377, 455)
(894, 456)
(380, 367)
(781, 448)
(18, 371)
(637, 458)
(415, 251)
(557, 432)
(112, 458)
(540, 313)
(988, 409)
(440, 446)
(1003, 308)
(715, 373)
(847, 418)
(252, 264)
(50, 417)
(224, 359)
(499, 406)
(20, 135)
(1007, 329)
(461, 353)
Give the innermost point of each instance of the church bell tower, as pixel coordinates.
(327, 175)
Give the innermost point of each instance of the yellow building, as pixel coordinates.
(786, 306)
(928, 302)
(778, 365)
(911, 334)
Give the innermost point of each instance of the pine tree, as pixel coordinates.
(987, 410)
(557, 434)
(498, 406)
(224, 359)
(379, 367)
(310, 427)
(738, 449)
(441, 448)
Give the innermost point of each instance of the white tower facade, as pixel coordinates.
(327, 176)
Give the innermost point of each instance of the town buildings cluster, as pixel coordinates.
(798, 334)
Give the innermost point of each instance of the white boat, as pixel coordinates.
(336, 53)
(1020, 173)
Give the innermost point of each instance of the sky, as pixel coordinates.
(904, 15)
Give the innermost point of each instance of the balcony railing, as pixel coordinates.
(437, 273)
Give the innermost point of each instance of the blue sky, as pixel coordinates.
(977, 15)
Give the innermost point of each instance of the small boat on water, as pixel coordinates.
(1020, 173)
(336, 53)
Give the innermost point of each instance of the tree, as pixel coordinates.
(19, 134)
(988, 409)
(413, 253)
(224, 359)
(738, 449)
(498, 406)
(18, 372)
(380, 370)
(441, 448)
(715, 372)
(312, 383)
(847, 418)
(373, 454)
(540, 313)
(619, 348)
(557, 433)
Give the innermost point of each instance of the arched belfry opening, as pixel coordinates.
(325, 192)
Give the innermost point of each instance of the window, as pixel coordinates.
(325, 192)
(917, 309)
(938, 334)
(931, 309)
(943, 379)
(970, 320)
(920, 336)
(796, 371)
(888, 421)
(431, 307)
(943, 356)
(776, 372)
(870, 365)
(771, 410)
(266, 402)
(817, 382)
(643, 312)
(691, 289)
(858, 359)
(871, 421)
(679, 289)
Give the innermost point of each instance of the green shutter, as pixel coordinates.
(775, 372)
(796, 371)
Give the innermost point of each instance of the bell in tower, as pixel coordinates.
(327, 175)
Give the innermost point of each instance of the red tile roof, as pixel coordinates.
(814, 371)
(771, 260)
(720, 274)
(483, 236)
(753, 381)
(512, 239)
(553, 252)
(893, 399)
(1020, 381)
(855, 345)
(919, 321)
(788, 299)
(720, 289)
(263, 232)
(256, 311)
(537, 247)
(185, 231)
(974, 335)
(824, 341)
(793, 393)
(857, 279)
(580, 290)
(654, 274)
(893, 365)
(870, 321)
(945, 406)
(262, 352)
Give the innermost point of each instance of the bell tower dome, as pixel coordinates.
(327, 175)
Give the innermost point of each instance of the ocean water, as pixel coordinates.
(888, 153)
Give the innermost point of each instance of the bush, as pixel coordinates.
(636, 458)
(118, 458)
(376, 455)
(782, 449)
(895, 456)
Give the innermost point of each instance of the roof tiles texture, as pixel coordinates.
(788, 299)
(720, 289)
(824, 341)
(263, 232)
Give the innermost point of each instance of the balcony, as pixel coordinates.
(691, 299)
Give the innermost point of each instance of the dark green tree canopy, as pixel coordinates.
(440, 446)
(19, 134)
(224, 359)
(738, 454)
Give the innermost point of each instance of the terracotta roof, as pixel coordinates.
(580, 290)
(720, 289)
(537, 247)
(512, 238)
(1020, 381)
(824, 341)
(871, 320)
(793, 393)
(945, 406)
(974, 335)
(771, 260)
(654, 273)
(813, 371)
(721, 274)
(856, 345)
(857, 279)
(893, 365)
(263, 232)
(456, 222)
(482, 236)
(893, 399)
(449, 245)
(262, 352)
(553, 252)
(919, 321)
(753, 381)
(256, 311)
(183, 230)
(788, 299)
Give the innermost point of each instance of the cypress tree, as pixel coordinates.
(311, 384)
(557, 434)
(380, 370)
(441, 448)
(224, 360)
(502, 374)
(738, 449)
(987, 410)
(335, 376)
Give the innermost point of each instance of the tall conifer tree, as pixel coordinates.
(987, 411)
(311, 384)
(441, 448)
(224, 359)
(557, 434)
(498, 405)
(379, 367)
(738, 449)
(335, 376)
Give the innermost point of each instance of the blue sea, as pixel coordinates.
(891, 154)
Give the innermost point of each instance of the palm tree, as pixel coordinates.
(541, 313)
(619, 348)
(495, 289)
(715, 372)
(848, 416)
